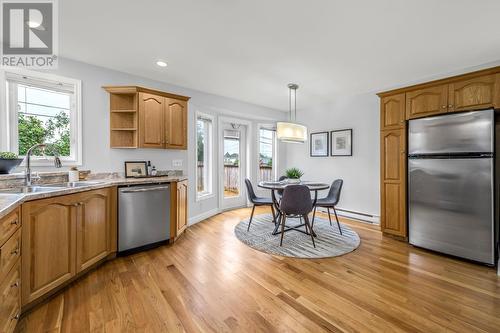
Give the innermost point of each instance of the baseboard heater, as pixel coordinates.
(363, 217)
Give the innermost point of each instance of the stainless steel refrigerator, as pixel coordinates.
(451, 169)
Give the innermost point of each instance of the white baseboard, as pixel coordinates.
(363, 217)
(203, 216)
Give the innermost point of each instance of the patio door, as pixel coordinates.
(233, 142)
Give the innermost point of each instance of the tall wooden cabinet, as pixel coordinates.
(146, 118)
(474, 91)
(63, 236)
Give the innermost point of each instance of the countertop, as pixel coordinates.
(9, 201)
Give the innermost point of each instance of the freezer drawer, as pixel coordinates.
(466, 132)
(451, 206)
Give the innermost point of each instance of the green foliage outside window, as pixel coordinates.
(33, 131)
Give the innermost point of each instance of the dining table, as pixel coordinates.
(275, 186)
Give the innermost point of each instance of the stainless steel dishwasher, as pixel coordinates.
(143, 216)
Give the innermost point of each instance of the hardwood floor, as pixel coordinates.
(211, 282)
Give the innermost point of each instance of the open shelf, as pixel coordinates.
(125, 129)
(123, 111)
(123, 119)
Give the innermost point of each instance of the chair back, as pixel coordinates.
(250, 191)
(282, 178)
(334, 193)
(296, 200)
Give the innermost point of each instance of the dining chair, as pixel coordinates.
(296, 202)
(280, 192)
(330, 201)
(257, 201)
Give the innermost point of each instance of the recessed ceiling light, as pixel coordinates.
(161, 63)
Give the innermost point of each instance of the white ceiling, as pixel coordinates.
(250, 49)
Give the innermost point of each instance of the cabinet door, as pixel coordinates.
(392, 112)
(393, 178)
(176, 124)
(427, 101)
(151, 121)
(93, 241)
(48, 245)
(472, 94)
(182, 196)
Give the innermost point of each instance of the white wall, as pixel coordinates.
(97, 155)
(361, 172)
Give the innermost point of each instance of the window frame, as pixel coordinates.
(9, 123)
(270, 127)
(210, 183)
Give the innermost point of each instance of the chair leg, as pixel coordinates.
(251, 217)
(314, 216)
(329, 217)
(283, 220)
(306, 218)
(274, 214)
(337, 218)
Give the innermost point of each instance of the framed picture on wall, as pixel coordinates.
(341, 142)
(319, 144)
(136, 169)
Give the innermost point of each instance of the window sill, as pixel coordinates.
(49, 162)
(204, 197)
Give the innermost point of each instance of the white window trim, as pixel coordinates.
(268, 126)
(211, 193)
(76, 131)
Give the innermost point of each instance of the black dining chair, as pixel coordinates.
(280, 192)
(296, 202)
(330, 201)
(257, 201)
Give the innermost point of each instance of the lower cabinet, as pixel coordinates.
(10, 271)
(179, 206)
(61, 237)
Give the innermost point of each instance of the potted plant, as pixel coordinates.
(8, 162)
(293, 175)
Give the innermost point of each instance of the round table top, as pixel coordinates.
(276, 185)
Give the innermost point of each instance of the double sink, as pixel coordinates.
(48, 187)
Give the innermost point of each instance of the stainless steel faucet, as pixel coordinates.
(57, 160)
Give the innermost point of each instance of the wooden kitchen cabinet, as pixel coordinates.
(472, 91)
(175, 124)
(393, 182)
(10, 270)
(473, 94)
(151, 121)
(157, 120)
(94, 227)
(48, 246)
(427, 101)
(63, 236)
(392, 112)
(178, 209)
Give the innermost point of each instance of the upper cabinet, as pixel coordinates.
(151, 121)
(473, 91)
(146, 118)
(426, 101)
(176, 124)
(392, 112)
(476, 93)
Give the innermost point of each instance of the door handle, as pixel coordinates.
(157, 188)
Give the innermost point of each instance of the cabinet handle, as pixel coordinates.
(17, 316)
(15, 251)
(14, 222)
(15, 284)
(450, 106)
(444, 106)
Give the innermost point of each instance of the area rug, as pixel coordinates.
(329, 241)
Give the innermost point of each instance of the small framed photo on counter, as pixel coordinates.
(341, 142)
(134, 169)
(319, 144)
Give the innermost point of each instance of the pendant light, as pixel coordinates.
(291, 131)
